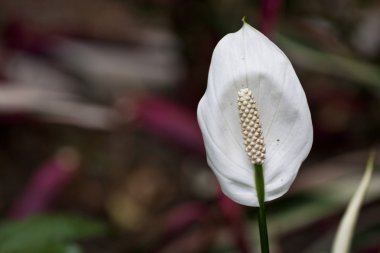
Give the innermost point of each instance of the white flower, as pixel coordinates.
(250, 61)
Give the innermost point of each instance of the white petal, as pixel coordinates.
(248, 59)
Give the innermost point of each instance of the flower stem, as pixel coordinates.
(260, 189)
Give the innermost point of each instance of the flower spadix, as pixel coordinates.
(254, 111)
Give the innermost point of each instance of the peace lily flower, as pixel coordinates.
(254, 112)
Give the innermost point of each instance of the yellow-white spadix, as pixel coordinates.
(254, 111)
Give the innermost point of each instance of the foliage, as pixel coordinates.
(47, 233)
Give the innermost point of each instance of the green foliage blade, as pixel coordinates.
(343, 237)
(47, 233)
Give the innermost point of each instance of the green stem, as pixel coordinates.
(260, 189)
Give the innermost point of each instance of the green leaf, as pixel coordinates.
(72, 248)
(326, 63)
(48, 233)
(49, 247)
(343, 237)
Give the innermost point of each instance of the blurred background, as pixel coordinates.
(100, 151)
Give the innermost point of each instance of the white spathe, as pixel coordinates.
(247, 59)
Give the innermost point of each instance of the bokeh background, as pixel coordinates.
(100, 151)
